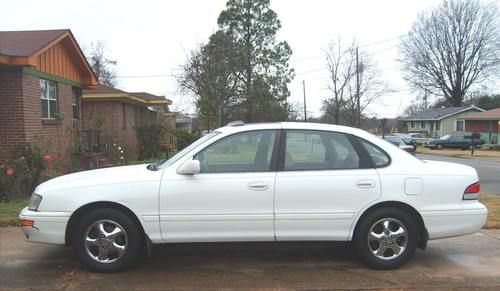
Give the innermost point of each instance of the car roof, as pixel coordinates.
(239, 126)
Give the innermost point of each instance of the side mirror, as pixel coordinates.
(190, 167)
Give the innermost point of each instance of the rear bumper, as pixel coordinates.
(450, 223)
(48, 227)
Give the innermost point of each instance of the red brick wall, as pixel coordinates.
(20, 117)
(11, 112)
(113, 122)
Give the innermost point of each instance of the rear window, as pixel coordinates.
(377, 155)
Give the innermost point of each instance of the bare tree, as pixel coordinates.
(101, 65)
(451, 48)
(342, 70)
(342, 104)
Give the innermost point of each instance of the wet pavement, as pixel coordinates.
(468, 262)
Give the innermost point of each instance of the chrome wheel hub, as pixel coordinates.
(105, 241)
(387, 238)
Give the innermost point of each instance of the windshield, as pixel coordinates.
(446, 136)
(187, 149)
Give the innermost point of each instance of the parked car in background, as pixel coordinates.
(407, 139)
(261, 182)
(399, 142)
(420, 138)
(453, 141)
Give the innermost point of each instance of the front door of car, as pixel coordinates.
(326, 179)
(232, 197)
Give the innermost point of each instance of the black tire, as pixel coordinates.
(439, 147)
(364, 248)
(130, 238)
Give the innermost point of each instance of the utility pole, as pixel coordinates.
(305, 107)
(358, 110)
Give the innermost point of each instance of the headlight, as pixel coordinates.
(34, 202)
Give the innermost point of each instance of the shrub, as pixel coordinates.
(149, 137)
(185, 138)
(20, 176)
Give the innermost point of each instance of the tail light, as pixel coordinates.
(472, 192)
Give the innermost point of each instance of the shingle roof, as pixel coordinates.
(26, 43)
(493, 114)
(101, 89)
(440, 113)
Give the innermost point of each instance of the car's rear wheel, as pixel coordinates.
(386, 238)
(107, 240)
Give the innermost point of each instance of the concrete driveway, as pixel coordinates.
(487, 168)
(467, 262)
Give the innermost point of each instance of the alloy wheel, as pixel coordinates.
(105, 241)
(387, 238)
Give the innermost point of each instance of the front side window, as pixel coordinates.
(48, 98)
(319, 150)
(243, 152)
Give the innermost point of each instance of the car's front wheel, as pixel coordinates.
(439, 147)
(386, 238)
(107, 240)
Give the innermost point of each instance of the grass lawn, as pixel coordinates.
(10, 210)
(492, 202)
(459, 153)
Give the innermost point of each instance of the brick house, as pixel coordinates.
(113, 114)
(42, 74)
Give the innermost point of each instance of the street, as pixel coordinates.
(466, 262)
(487, 168)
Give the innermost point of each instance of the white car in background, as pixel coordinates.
(261, 182)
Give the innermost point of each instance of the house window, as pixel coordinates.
(438, 125)
(412, 124)
(48, 98)
(459, 125)
(124, 116)
(422, 124)
(75, 103)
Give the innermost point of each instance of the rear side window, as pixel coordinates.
(307, 150)
(378, 156)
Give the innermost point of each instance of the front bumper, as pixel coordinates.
(48, 227)
(450, 223)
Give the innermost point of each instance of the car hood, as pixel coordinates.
(107, 176)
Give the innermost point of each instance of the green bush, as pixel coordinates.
(149, 137)
(20, 176)
(185, 138)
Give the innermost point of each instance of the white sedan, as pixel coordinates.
(261, 182)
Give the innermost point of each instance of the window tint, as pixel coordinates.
(319, 150)
(242, 152)
(378, 156)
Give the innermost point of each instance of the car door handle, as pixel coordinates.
(258, 186)
(365, 184)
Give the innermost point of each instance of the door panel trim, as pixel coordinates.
(215, 217)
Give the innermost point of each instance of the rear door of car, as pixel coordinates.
(323, 180)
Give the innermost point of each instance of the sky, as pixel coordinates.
(151, 39)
